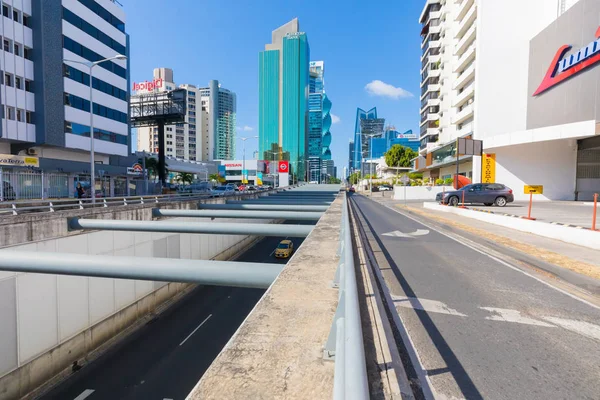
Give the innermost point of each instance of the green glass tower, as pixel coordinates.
(283, 98)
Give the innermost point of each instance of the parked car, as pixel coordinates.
(251, 188)
(486, 193)
(8, 193)
(221, 191)
(385, 188)
(233, 186)
(352, 189)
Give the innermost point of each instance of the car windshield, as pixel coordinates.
(221, 188)
(283, 246)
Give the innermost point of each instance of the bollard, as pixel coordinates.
(530, 204)
(594, 214)
(463, 200)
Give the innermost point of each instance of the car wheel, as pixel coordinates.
(453, 201)
(488, 204)
(500, 201)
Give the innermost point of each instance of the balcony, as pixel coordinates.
(464, 96)
(430, 117)
(466, 40)
(435, 73)
(463, 79)
(467, 58)
(430, 88)
(466, 23)
(463, 9)
(463, 115)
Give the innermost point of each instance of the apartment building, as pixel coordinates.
(208, 132)
(44, 85)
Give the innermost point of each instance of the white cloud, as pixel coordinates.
(245, 128)
(380, 88)
(335, 119)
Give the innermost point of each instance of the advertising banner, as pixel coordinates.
(488, 174)
(244, 176)
(136, 170)
(19, 161)
(259, 178)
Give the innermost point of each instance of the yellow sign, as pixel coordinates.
(534, 189)
(19, 161)
(488, 168)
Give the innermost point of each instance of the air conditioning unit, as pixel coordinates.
(31, 152)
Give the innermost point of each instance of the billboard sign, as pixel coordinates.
(19, 161)
(283, 167)
(136, 170)
(149, 86)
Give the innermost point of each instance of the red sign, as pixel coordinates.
(157, 83)
(233, 165)
(563, 68)
(284, 167)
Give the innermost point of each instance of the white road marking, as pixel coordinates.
(425, 305)
(194, 331)
(418, 232)
(506, 315)
(85, 394)
(571, 295)
(581, 327)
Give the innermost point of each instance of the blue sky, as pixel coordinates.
(360, 42)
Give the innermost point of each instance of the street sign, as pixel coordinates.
(489, 168)
(470, 147)
(534, 189)
(283, 166)
(405, 179)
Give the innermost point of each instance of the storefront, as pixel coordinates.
(253, 173)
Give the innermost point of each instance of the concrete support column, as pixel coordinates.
(476, 169)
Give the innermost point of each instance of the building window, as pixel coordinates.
(29, 117)
(29, 85)
(5, 11)
(8, 79)
(10, 113)
(169, 129)
(82, 77)
(16, 15)
(7, 46)
(27, 20)
(94, 32)
(17, 50)
(18, 82)
(90, 55)
(20, 115)
(104, 13)
(27, 52)
(103, 111)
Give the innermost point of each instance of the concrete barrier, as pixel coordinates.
(419, 192)
(580, 237)
(49, 321)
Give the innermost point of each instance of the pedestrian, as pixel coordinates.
(80, 190)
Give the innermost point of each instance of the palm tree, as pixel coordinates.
(185, 177)
(152, 167)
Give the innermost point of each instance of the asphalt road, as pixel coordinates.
(481, 328)
(166, 358)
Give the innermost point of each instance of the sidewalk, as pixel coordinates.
(576, 264)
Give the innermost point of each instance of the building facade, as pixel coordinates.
(208, 132)
(350, 169)
(283, 97)
(392, 137)
(319, 122)
(366, 126)
(469, 88)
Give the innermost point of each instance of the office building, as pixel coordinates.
(366, 127)
(319, 121)
(392, 137)
(208, 132)
(474, 76)
(351, 157)
(283, 97)
(327, 170)
(46, 99)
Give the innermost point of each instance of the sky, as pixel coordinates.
(371, 52)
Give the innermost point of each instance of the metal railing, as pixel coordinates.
(23, 207)
(345, 341)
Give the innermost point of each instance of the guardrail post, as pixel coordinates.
(156, 199)
(141, 200)
(14, 209)
(51, 206)
(124, 201)
(329, 352)
(105, 203)
(80, 204)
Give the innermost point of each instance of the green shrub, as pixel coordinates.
(448, 181)
(439, 182)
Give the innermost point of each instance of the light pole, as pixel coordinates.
(91, 66)
(243, 139)
(273, 160)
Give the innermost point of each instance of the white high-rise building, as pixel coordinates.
(209, 130)
(472, 51)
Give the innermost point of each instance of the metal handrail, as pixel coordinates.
(345, 342)
(45, 205)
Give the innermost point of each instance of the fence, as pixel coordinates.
(30, 185)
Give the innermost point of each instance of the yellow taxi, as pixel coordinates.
(284, 249)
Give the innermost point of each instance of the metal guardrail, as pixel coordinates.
(345, 341)
(32, 206)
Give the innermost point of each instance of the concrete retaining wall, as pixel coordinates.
(419, 192)
(48, 321)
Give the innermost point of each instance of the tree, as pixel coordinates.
(185, 177)
(354, 178)
(152, 167)
(213, 177)
(400, 156)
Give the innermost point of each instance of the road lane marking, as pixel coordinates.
(85, 394)
(194, 331)
(418, 232)
(463, 240)
(506, 315)
(425, 305)
(581, 327)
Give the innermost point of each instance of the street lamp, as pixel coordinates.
(371, 136)
(273, 160)
(243, 139)
(91, 66)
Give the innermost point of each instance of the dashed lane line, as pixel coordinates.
(85, 394)
(194, 331)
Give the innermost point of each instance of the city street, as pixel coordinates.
(480, 327)
(167, 357)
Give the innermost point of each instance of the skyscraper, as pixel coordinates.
(220, 104)
(367, 125)
(319, 121)
(350, 157)
(283, 97)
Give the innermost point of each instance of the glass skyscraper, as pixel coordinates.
(283, 97)
(367, 125)
(319, 121)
